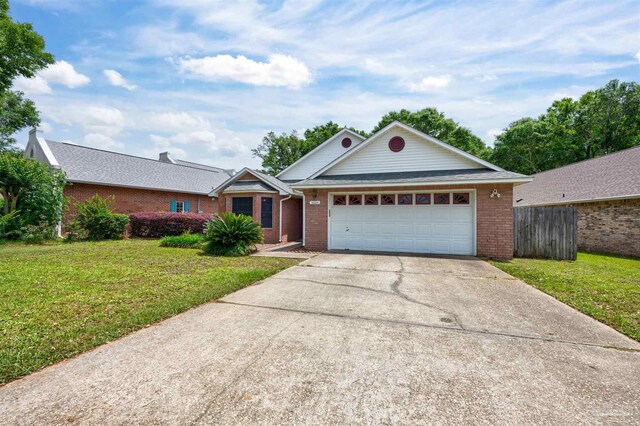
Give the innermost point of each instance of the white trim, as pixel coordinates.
(250, 192)
(410, 130)
(220, 188)
(322, 145)
(473, 198)
(44, 146)
(581, 201)
(427, 183)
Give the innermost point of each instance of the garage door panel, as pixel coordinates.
(441, 229)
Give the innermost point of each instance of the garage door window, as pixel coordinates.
(388, 200)
(423, 198)
(355, 200)
(339, 200)
(441, 198)
(371, 200)
(460, 198)
(405, 199)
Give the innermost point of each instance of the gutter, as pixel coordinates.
(417, 183)
(280, 227)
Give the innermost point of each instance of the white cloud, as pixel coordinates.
(637, 56)
(98, 140)
(93, 118)
(64, 73)
(32, 86)
(176, 122)
(280, 70)
(205, 141)
(116, 79)
(45, 127)
(492, 133)
(430, 84)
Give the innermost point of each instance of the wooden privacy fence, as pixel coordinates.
(546, 232)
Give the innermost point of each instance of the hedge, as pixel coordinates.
(157, 225)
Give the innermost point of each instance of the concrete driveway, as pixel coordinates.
(352, 339)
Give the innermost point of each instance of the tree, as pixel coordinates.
(21, 49)
(434, 123)
(17, 113)
(600, 122)
(21, 54)
(280, 151)
(31, 193)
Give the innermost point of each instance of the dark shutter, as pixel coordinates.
(242, 205)
(266, 216)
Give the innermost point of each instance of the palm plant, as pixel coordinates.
(232, 235)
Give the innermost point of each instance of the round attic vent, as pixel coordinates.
(396, 144)
(346, 143)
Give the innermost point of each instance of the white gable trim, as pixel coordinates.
(321, 146)
(41, 143)
(216, 191)
(410, 130)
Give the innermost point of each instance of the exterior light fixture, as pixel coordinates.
(495, 193)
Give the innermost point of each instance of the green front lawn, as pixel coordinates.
(602, 286)
(60, 300)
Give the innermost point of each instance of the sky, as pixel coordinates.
(206, 80)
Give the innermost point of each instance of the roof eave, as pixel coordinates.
(148, 188)
(416, 183)
(581, 201)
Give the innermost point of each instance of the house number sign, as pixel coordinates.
(314, 202)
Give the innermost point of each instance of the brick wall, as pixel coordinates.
(610, 227)
(291, 221)
(494, 218)
(131, 200)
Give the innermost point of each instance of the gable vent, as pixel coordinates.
(396, 144)
(346, 142)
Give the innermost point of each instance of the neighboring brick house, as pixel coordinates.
(136, 183)
(397, 191)
(606, 193)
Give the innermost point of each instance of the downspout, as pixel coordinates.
(281, 201)
(304, 219)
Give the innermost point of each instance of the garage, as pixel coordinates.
(438, 222)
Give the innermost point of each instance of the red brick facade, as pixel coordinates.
(494, 217)
(610, 227)
(131, 200)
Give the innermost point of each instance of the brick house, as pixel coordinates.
(606, 193)
(136, 183)
(399, 190)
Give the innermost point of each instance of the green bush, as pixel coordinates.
(186, 240)
(232, 235)
(98, 221)
(37, 234)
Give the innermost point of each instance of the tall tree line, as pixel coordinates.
(602, 121)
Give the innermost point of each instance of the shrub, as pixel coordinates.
(160, 224)
(232, 235)
(186, 240)
(37, 234)
(98, 221)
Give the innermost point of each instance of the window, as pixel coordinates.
(266, 212)
(242, 205)
(423, 198)
(405, 199)
(441, 198)
(387, 200)
(460, 198)
(180, 206)
(355, 200)
(371, 200)
(339, 200)
(31, 153)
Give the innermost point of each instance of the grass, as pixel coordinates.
(60, 300)
(185, 240)
(604, 287)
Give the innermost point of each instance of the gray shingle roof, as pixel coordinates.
(249, 186)
(203, 167)
(411, 177)
(609, 176)
(90, 165)
(269, 182)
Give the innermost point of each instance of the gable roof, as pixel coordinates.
(612, 176)
(321, 147)
(409, 129)
(90, 165)
(283, 188)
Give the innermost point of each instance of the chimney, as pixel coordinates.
(166, 158)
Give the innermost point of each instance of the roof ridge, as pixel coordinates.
(133, 156)
(589, 159)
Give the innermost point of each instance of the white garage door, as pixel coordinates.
(425, 222)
